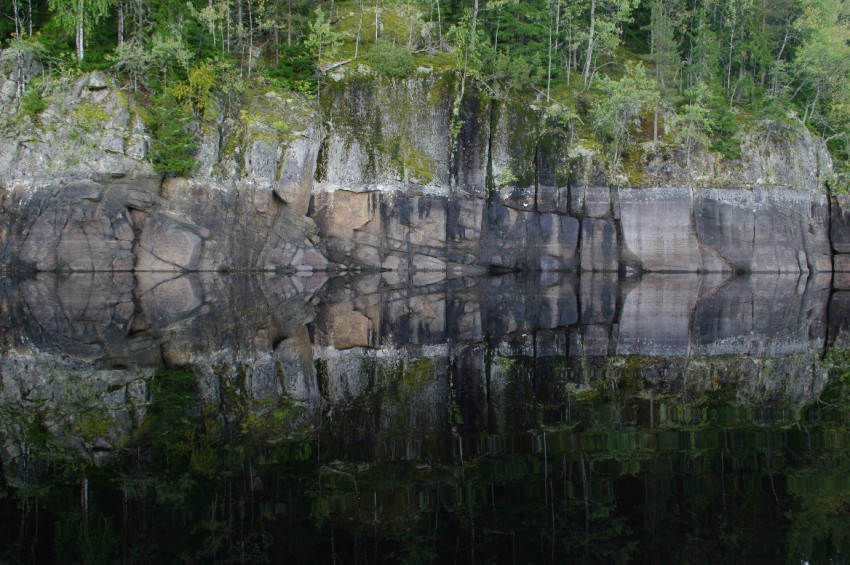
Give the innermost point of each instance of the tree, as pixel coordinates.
(619, 111)
(553, 47)
(607, 18)
(692, 124)
(822, 64)
(322, 40)
(174, 145)
(664, 51)
(80, 16)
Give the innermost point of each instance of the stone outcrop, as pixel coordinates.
(509, 191)
(79, 194)
(840, 239)
(393, 182)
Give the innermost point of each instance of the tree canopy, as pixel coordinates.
(709, 67)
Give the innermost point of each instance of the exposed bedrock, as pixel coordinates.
(80, 195)
(392, 181)
(398, 188)
(656, 229)
(142, 225)
(840, 238)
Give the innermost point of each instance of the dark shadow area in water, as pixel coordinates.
(666, 418)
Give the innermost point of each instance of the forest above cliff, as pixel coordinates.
(614, 74)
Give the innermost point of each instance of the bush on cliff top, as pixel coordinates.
(174, 146)
(392, 61)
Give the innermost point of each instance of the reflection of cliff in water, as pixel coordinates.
(558, 324)
(469, 355)
(590, 417)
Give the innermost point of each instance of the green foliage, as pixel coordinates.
(617, 115)
(169, 55)
(20, 51)
(692, 124)
(174, 144)
(33, 102)
(322, 41)
(80, 17)
(196, 94)
(724, 130)
(469, 41)
(295, 69)
(83, 537)
(392, 61)
(788, 55)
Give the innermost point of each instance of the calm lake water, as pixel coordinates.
(541, 419)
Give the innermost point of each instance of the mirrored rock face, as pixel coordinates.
(150, 388)
(454, 346)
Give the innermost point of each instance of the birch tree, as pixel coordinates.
(80, 16)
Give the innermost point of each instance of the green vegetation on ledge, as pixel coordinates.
(696, 74)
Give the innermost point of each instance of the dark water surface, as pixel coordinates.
(247, 419)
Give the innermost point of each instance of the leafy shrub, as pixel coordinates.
(32, 102)
(196, 93)
(174, 145)
(392, 61)
(295, 71)
(724, 127)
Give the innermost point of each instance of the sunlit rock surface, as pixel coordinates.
(509, 191)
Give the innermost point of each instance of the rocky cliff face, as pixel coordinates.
(390, 182)
(509, 191)
(80, 195)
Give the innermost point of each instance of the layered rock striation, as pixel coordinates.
(403, 185)
(389, 179)
(79, 193)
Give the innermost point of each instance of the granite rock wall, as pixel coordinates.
(397, 189)
(388, 180)
(78, 193)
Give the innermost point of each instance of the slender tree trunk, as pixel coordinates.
(331, 14)
(212, 25)
(549, 65)
(784, 40)
(289, 23)
(557, 31)
(29, 17)
(440, 25)
(589, 60)
(138, 20)
(18, 31)
(359, 31)
(570, 51)
(810, 110)
(729, 62)
(655, 125)
(80, 35)
(410, 28)
(498, 25)
(250, 39)
(229, 39)
(377, 23)
(120, 23)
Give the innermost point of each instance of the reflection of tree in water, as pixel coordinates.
(609, 473)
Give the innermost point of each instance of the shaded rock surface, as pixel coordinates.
(79, 194)
(389, 183)
(508, 190)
